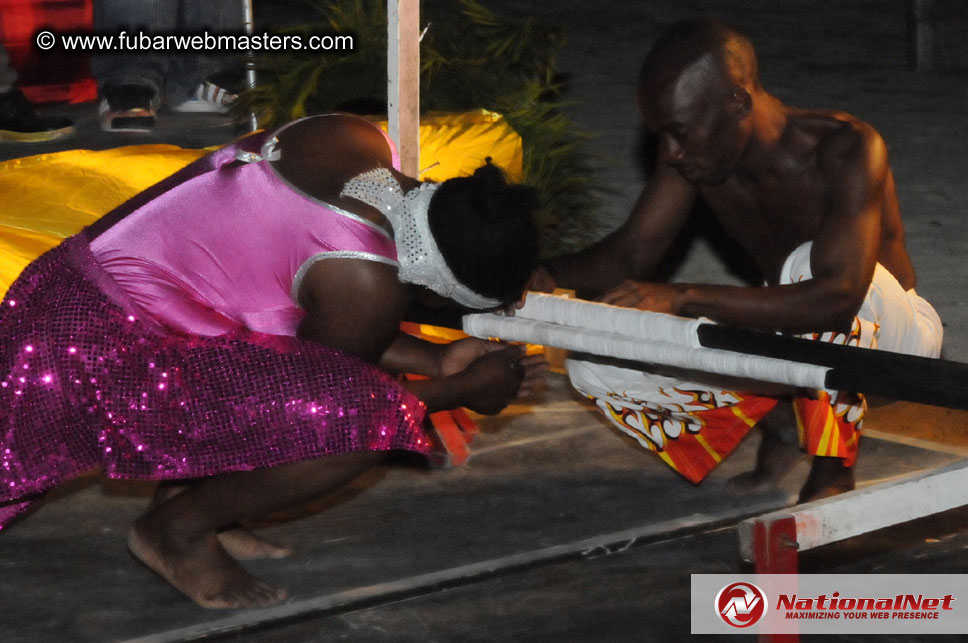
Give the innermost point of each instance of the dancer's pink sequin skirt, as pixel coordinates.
(86, 380)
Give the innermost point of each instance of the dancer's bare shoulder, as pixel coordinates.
(319, 155)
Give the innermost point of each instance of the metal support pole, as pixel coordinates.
(248, 22)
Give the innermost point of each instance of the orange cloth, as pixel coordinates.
(692, 427)
(692, 448)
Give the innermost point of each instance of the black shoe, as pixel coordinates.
(127, 108)
(20, 122)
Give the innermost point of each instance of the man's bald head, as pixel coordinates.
(697, 92)
(718, 51)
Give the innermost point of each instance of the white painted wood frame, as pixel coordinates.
(403, 81)
(864, 510)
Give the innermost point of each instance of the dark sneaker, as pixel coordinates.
(127, 108)
(20, 122)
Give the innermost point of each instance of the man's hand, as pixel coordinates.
(541, 280)
(645, 295)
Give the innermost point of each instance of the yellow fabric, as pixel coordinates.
(48, 197)
(457, 144)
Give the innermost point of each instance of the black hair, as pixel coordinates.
(485, 231)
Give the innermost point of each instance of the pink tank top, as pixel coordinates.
(224, 244)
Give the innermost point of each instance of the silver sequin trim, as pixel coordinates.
(334, 254)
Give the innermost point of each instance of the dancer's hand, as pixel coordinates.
(495, 379)
(459, 354)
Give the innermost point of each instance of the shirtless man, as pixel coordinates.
(775, 177)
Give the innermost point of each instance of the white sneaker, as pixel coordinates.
(208, 98)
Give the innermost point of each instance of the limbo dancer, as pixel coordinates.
(233, 331)
(810, 196)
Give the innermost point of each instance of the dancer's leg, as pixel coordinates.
(178, 537)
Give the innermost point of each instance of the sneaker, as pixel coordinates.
(127, 108)
(20, 122)
(214, 94)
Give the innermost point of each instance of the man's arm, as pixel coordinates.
(853, 163)
(633, 250)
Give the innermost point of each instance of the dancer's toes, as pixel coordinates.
(201, 569)
(250, 595)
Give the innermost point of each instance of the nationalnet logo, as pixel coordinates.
(829, 604)
(899, 606)
(741, 604)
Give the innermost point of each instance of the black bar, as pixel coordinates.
(903, 377)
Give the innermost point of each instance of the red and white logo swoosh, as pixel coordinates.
(741, 604)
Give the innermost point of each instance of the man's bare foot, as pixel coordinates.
(243, 544)
(202, 570)
(828, 477)
(774, 459)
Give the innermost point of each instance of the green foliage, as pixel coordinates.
(470, 58)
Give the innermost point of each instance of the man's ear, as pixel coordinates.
(740, 101)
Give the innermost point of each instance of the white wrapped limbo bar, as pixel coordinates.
(653, 338)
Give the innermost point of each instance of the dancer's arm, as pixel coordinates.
(357, 306)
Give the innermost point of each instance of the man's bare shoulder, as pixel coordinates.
(840, 141)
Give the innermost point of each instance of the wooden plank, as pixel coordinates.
(865, 510)
(234, 625)
(450, 445)
(775, 546)
(403, 81)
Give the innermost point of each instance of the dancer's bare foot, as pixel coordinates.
(243, 544)
(201, 569)
(828, 477)
(240, 542)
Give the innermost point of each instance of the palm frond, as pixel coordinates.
(471, 58)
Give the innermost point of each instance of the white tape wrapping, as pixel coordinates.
(657, 327)
(674, 344)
